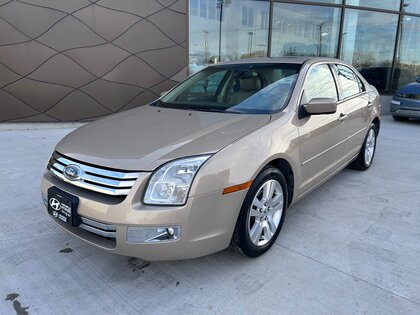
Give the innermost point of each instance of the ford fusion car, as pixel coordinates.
(406, 102)
(216, 161)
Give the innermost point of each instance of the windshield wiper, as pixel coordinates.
(202, 108)
(159, 103)
(215, 109)
(207, 109)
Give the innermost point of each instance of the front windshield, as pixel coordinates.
(249, 89)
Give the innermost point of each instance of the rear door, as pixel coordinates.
(352, 93)
(322, 137)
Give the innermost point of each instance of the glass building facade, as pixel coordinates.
(379, 37)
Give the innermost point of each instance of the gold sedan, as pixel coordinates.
(214, 162)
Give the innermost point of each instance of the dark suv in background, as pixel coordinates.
(406, 102)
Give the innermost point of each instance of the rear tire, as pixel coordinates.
(400, 118)
(262, 214)
(367, 152)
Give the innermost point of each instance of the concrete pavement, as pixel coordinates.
(350, 247)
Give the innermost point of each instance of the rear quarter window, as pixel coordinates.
(349, 82)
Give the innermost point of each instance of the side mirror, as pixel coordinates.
(163, 93)
(321, 106)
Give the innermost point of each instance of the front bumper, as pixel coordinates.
(405, 107)
(207, 221)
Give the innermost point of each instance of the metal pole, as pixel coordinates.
(270, 30)
(396, 57)
(220, 32)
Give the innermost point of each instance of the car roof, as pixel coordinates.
(271, 60)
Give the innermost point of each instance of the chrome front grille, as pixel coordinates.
(101, 180)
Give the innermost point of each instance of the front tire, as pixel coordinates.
(367, 153)
(262, 214)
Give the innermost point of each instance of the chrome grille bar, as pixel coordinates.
(100, 180)
(102, 229)
(109, 182)
(99, 225)
(95, 170)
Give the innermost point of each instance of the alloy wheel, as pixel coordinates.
(265, 213)
(370, 147)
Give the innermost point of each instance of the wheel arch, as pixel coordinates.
(284, 166)
(376, 121)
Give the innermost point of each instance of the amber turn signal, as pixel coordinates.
(235, 188)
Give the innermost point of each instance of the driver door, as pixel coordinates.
(322, 137)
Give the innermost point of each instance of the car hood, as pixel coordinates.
(143, 138)
(412, 88)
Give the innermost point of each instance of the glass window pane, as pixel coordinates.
(408, 63)
(368, 43)
(194, 7)
(244, 29)
(348, 82)
(212, 10)
(412, 6)
(203, 8)
(326, 1)
(319, 83)
(379, 4)
(305, 30)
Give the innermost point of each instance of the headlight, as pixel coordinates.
(170, 184)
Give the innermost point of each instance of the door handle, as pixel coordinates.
(342, 117)
(370, 103)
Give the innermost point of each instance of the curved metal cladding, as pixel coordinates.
(83, 59)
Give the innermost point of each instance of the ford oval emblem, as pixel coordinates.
(72, 172)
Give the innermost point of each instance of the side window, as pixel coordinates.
(319, 83)
(348, 80)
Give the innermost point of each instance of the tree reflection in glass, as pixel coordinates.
(305, 30)
(368, 43)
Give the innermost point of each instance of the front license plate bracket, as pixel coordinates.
(63, 206)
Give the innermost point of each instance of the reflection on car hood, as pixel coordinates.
(146, 137)
(412, 88)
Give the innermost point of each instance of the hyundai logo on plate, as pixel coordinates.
(72, 172)
(55, 204)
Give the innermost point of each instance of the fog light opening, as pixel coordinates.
(153, 235)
